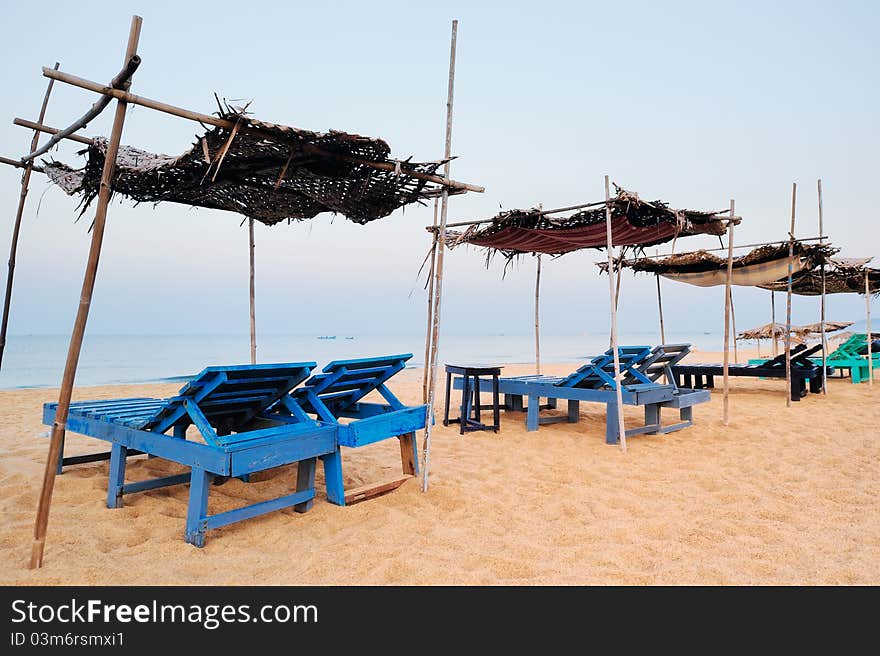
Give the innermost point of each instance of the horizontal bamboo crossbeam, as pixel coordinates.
(207, 119)
(19, 164)
(45, 128)
(121, 81)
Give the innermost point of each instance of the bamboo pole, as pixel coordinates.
(438, 273)
(252, 305)
(609, 244)
(788, 299)
(208, 119)
(617, 282)
(427, 373)
(17, 164)
(40, 127)
(773, 323)
(869, 354)
(733, 328)
(725, 415)
(822, 302)
(538, 316)
(120, 81)
(56, 443)
(16, 228)
(660, 310)
(538, 308)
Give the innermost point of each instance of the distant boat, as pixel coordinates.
(326, 336)
(349, 338)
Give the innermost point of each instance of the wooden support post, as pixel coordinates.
(16, 228)
(538, 316)
(438, 273)
(252, 307)
(660, 310)
(733, 329)
(773, 323)
(822, 302)
(538, 308)
(727, 301)
(788, 299)
(79, 326)
(869, 354)
(609, 244)
(427, 373)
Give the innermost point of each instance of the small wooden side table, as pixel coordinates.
(470, 407)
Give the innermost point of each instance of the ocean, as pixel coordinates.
(38, 360)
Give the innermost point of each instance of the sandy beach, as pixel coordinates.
(781, 496)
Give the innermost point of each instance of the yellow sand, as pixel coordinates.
(782, 495)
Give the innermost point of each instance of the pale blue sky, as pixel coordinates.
(694, 103)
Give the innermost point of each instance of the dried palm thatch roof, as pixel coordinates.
(703, 261)
(768, 330)
(264, 171)
(634, 222)
(842, 276)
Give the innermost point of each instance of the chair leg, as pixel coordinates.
(652, 416)
(305, 480)
(448, 396)
(612, 426)
(477, 416)
(197, 510)
(574, 411)
(496, 409)
(465, 410)
(409, 454)
(333, 477)
(532, 415)
(118, 455)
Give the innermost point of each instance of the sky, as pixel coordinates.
(695, 103)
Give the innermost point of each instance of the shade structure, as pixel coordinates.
(265, 171)
(763, 265)
(634, 222)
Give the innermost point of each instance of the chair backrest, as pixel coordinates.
(661, 360)
(779, 360)
(343, 383)
(800, 359)
(851, 346)
(599, 372)
(231, 396)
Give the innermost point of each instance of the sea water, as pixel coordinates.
(38, 360)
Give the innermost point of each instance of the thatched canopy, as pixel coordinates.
(634, 222)
(842, 276)
(264, 171)
(799, 333)
(704, 269)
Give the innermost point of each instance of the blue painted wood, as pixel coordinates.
(197, 510)
(257, 509)
(153, 483)
(274, 452)
(381, 427)
(305, 481)
(116, 480)
(532, 415)
(333, 477)
(590, 383)
(201, 421)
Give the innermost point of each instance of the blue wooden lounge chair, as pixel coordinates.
(228, 406)
(641, 368)
(804, 373)
(336, 395)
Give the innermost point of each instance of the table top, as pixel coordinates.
(474, 369)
